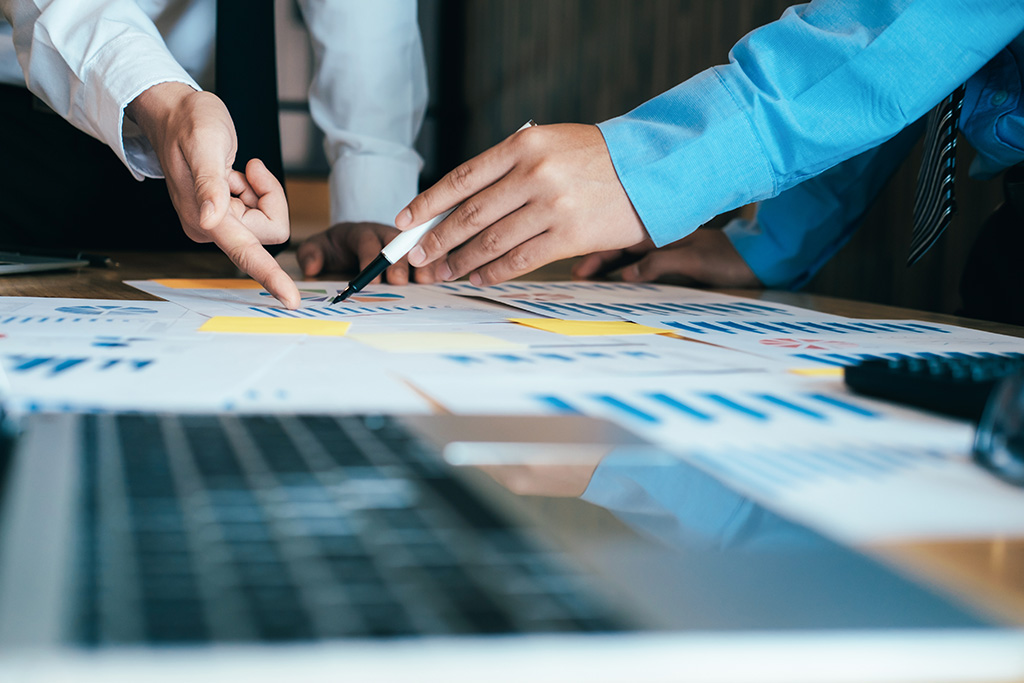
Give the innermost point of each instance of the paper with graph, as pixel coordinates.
(714, 379)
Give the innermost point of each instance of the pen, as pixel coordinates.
(95, 260)
(397, 248)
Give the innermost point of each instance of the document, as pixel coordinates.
(625, 301)
(384, 304)
(707, 376)
(44, 316)
(858, 470)
(812, 343)
(176, 373)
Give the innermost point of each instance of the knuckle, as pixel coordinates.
(490, 242)
(565, 204)
(529, 139)
(433, 243)
(543, 172)
(470, 214)
(518, 261)
(460, 179)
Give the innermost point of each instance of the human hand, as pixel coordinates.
(194, 139)
(349, 247)
(545, 193)
(705, 257)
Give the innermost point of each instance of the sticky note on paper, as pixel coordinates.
(817, 372)
(434, 342)
(214, 283)
(586, 328)
(323, 328)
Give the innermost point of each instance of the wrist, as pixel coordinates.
(154, 107)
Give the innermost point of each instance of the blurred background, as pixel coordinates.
(493, 64)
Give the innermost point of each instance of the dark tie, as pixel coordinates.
(935, 203)
(246, 71)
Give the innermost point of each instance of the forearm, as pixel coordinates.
(794, 234)
(368, 96)
(88, 59)
(824, 83)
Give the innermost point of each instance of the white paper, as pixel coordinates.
(93, 317)
(625, 301)
(377, 304)
(861, 493)
(194, 373)
(846, 341)
(689, 411)
(328, 375)
(856, 469)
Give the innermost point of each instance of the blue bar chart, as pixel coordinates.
(328, 312)
(709, 407)
(42, 367)
(801, 327)
(769, 472)
(617, 301)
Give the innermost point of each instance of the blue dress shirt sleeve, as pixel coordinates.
(826, 82)
(794, 234)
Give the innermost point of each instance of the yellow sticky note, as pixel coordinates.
(434, 342)
(586, 328)
(230, 323)
(210, 283)
(818, 372)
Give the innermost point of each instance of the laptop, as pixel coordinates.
(142, 547)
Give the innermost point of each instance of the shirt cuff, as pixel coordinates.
(686, 156)
(122, 80)
(371, 188)
(768, 260)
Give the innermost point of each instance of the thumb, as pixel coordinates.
(311, 258)
(597, 263)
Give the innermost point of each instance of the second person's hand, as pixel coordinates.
(543, 194)
(194, 139)
(706, 258)
(350, 247)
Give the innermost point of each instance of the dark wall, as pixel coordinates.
(589, 60)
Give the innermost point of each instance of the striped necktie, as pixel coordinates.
(934, 202)
(246, 70)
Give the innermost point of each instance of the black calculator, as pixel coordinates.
(957, 384)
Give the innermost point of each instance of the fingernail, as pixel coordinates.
(475, 279)
(206, 210)
(403, 219)
(444, 272)
(631, 273)
(417, 256)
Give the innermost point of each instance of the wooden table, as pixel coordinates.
(987, 573)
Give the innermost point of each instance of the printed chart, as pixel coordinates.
(842, 342)
(623, 301)
(685, 412)
(87, 317)
(387, 304)
(825, 486)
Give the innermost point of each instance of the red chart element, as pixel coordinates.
(538, 296)
(807, 344)
(375, 298)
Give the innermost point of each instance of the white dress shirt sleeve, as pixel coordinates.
(88, 59)
(368, 96)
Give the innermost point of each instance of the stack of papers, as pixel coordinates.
(751, 392)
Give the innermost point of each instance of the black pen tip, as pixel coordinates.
(341, 297)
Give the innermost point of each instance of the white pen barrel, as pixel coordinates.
(406, 240)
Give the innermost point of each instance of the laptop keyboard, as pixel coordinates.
(283, 528)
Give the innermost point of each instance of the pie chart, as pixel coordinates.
(101, 310)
